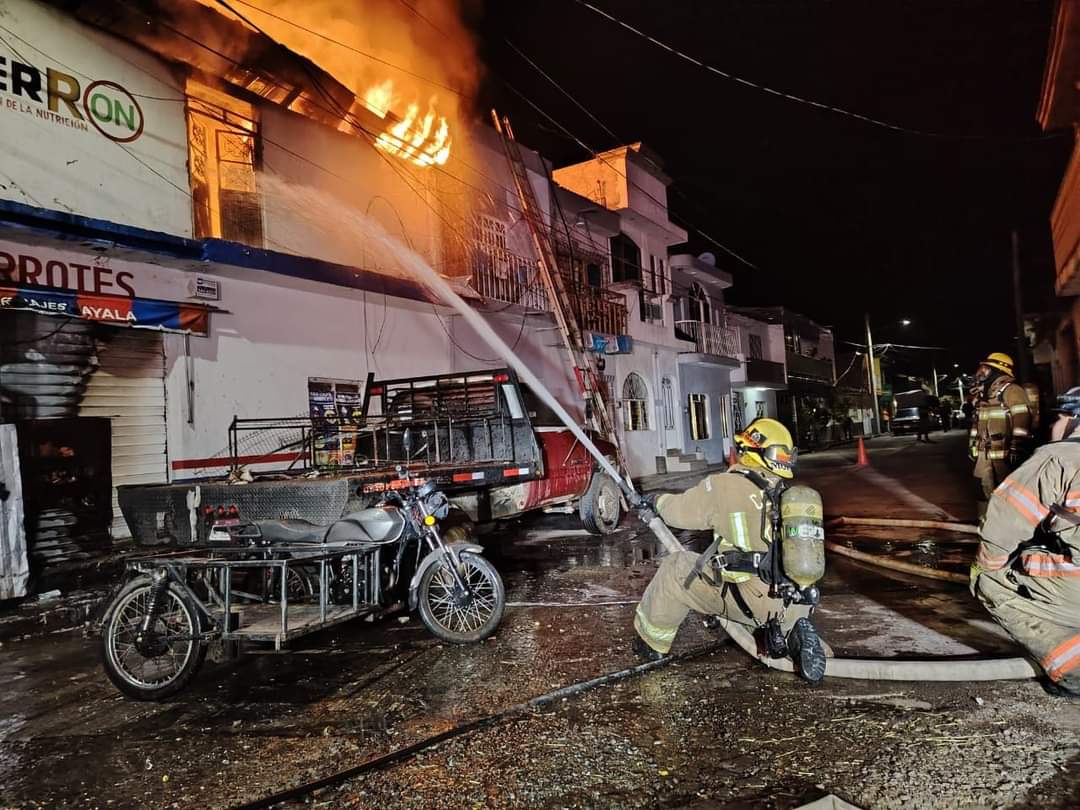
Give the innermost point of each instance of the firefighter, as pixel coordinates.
(1027, 571)
(736, 505)
(1001, 430)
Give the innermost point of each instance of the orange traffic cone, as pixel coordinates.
(732, 457)
(861, 459)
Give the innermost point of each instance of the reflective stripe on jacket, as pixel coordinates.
(729, 504)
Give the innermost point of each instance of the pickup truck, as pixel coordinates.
(482, 437)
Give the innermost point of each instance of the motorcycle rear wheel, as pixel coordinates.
(464, 623)
(181, 652)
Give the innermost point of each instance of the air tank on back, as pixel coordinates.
(803, 544)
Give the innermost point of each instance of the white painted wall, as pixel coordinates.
(63, 163)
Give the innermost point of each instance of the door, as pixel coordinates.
(667, 414)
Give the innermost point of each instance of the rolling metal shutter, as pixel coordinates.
(128, 388)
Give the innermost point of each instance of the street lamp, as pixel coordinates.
(905, 322)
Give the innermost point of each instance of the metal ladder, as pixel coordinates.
(584, 367)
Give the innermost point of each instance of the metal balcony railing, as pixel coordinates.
(500, 275)
(596, 309)
(721, 341)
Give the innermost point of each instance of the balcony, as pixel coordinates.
(765, 373)
(809, 368)
(710, 339)
(596, 309)
(499, 275)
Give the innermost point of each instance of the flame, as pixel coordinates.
(379, 97)
(410, 138)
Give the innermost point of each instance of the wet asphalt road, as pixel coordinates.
(715, 731)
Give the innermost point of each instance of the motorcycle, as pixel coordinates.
(299, 578)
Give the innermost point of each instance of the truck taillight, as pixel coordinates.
(501, 378)
(234, 511)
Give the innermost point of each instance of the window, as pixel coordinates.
(650, 307)
(635, 403)
(667, 399)
(625, 259)
(699, 417)
(760, 410)
(755, 348)
(223, 154)
(594, 275)
(697, 304)
(725, 411)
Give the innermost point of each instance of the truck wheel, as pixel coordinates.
(600, 507)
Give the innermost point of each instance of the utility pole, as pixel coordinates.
(1018, 304)
(870, 373)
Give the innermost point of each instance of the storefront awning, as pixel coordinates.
(115, 310)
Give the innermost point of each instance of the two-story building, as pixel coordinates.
(810, 360)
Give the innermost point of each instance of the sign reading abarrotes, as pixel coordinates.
(60, 98)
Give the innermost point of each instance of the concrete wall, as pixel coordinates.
(59, 158)
(715, 383)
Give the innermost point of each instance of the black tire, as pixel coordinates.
(303, 584)
(600, 507)
(457, 624)
(179, 618)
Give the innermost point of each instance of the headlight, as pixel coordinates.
(437, 505)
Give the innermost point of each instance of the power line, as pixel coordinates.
(801, 99)
(561, 89)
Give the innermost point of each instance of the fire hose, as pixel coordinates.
(880, 669)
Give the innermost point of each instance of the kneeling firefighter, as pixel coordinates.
(1027, 571)
(744, 575)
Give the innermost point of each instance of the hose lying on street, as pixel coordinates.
(887, 669)
(881, 669)
(966, 528)
(896, 565)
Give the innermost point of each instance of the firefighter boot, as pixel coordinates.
(644, 652)
(807, 651)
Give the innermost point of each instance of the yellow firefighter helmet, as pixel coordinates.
(1000, 361)
(767, 443)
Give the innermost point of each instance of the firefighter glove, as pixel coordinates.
(646, 508)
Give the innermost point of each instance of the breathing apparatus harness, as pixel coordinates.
(768, 566)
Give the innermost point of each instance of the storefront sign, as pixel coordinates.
(50, 94)
(147, 313)
(49, 271)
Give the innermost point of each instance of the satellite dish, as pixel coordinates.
(708, 258)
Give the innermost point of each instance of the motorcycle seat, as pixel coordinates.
(292, 531)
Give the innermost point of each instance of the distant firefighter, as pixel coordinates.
(1027, 572)
(1001, 431)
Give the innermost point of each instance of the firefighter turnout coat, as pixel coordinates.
(1033, 588)
(737, 512)
(1002, 426)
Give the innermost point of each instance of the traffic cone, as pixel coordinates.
(732, 456)
(861, 459)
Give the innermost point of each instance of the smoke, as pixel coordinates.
(424, 37)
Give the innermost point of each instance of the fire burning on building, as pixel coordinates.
(423, 140)
(426, 40)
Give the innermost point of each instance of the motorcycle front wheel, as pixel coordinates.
(171, 657)
(454, 617)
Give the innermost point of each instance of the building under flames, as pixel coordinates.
(197, 223)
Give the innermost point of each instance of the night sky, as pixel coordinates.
(838, 215)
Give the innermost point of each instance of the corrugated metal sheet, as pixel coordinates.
(14, 563)
(128, 388)
(44, 365)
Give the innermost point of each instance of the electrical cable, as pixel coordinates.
(561, 89)
(802, 100)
